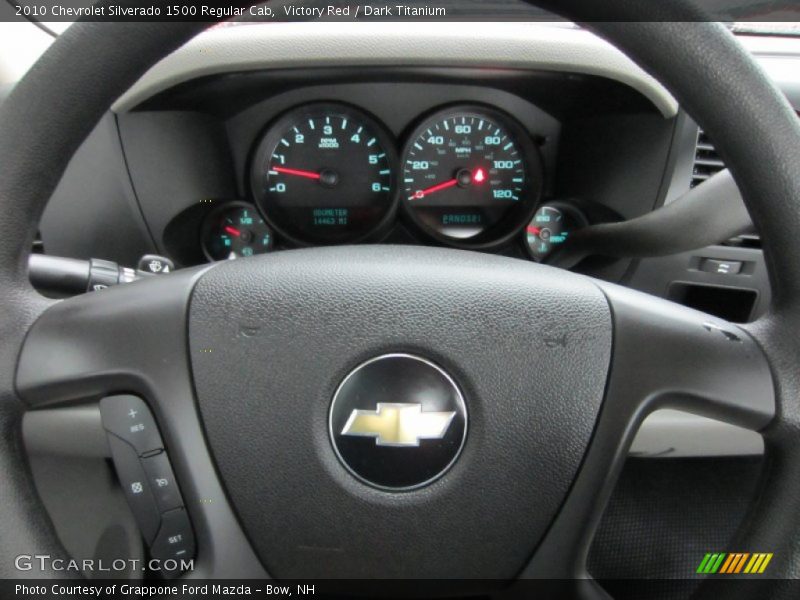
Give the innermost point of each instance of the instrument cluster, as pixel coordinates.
(468, 176)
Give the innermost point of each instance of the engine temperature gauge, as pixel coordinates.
(550, 227)
(235, 230)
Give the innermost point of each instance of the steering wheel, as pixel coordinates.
(239, 361)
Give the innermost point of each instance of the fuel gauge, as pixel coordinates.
(550, 227)
(235, 230)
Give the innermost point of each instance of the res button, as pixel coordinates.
(128, 418)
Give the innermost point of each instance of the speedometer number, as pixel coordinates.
(464, 172)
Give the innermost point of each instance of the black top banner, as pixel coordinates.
(274, 11)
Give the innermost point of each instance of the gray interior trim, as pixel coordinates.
(671, 434)
(75, 431)
(507, 45)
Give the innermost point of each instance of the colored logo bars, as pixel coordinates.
(734, 562)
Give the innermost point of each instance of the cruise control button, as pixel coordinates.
(175, 539)
(129, 418)
(162, 481)
(136, 487)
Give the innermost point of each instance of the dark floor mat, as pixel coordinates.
(663, 517)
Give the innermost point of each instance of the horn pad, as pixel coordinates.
(273, 339)
(398, 422)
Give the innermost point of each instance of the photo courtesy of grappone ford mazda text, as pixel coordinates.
(463, 299)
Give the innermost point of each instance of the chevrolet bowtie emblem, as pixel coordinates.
(433, 420)
(398, 424)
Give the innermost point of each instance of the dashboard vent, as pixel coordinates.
(707, 163)
(706, 160)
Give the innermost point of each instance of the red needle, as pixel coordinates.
(534, 230)
(298, 172)
(232, 231)
(434, 188)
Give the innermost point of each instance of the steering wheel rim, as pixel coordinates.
(38, 130)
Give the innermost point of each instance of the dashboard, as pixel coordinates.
(490, 160)
(527, 150)
(221, 151)
(496, 137)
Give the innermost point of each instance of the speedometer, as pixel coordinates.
(470, 176)
(324, 174)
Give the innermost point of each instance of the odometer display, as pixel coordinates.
(323, 174)
(470, 176)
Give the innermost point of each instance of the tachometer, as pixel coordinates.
(323, 174)
(470, 176)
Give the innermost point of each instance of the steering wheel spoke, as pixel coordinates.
(132, 340)
(664, 356)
